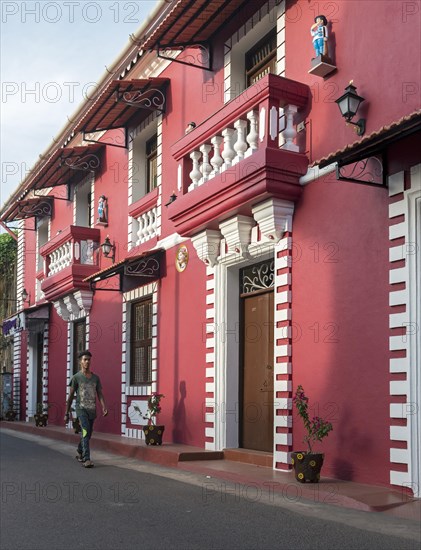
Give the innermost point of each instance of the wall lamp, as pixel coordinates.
(108, 248)
(348, 104)
(25, 297)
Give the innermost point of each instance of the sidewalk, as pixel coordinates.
(249, 478)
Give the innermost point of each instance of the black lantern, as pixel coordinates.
(25, 296)
(108, 248)
(348, 104)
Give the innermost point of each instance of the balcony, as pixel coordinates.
(68, 259)
(243, 154)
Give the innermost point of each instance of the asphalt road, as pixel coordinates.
(49, 501)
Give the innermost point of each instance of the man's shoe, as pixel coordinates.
(88, 464)
(79, 457)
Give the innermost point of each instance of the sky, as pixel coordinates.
(52, 54)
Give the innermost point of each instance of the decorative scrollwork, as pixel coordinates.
(150, 99)
(369, 170)
(86, 163)
(257, 277)
(145, 267)
(38, 209)
(200, 59)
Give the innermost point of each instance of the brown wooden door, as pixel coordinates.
(257, 373)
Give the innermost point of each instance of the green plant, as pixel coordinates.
(317, 428)
(154, 408)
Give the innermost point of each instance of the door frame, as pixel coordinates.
(227, 342)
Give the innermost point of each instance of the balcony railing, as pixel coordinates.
(246, 152)
(69, 258)
(75, 246)
(144, 213)
(264, 115)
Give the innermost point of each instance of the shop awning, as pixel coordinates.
(123, 100)
(132, 272)
(29, 208)
(192, 22)
(68, 163)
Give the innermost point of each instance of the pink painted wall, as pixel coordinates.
(340, 323)
(374, 43)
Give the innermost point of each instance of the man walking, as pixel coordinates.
(87, 386)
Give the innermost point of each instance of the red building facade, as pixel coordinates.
(268, 246)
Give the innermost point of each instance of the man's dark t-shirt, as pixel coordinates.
(86, 391)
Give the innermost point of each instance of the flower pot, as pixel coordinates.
(307, 466)
(41, 420)
(11, 415)
(153, 434)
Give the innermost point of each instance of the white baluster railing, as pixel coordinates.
(147, 223)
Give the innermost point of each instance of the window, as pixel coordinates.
(151, 163)
(42, 231)
(143, 164)
(141, 343)
(79, 342)
(83, 200)
(261, 59)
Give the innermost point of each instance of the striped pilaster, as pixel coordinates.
(282, 355)
(404, 328)
(45, 365)
(209, 335)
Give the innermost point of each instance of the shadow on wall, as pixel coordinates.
(180, 431)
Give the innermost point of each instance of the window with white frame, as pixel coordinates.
(141, 342)
(42, 239)
(143, 161)
(83, 203)
(252, 51)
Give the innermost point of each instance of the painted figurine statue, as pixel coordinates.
(102, 209)
(319, 33)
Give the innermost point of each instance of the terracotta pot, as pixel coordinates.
(307, 466)
(153, 434)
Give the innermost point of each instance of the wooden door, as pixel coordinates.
(257, 372)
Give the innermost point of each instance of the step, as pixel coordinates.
(249, 456)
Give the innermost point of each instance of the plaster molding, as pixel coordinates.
(237, 234)
(274, 218)
(207, 245)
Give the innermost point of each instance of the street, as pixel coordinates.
(48, 501)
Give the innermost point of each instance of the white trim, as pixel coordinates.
(410, 274)
(262, 22)
(126, 389)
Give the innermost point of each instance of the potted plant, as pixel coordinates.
(11, 414)
(307, 465)
(41, 416)
(153, 432)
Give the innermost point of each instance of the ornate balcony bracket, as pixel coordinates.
(144, 267)
(85, 163)
(201, 60)
(274, 218)
(207, 245)
(152, 99)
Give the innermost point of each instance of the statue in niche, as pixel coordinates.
(103, 210)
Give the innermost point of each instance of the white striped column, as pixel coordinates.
(209, 334)
(404, 339)
(282, 356)
(45, 365)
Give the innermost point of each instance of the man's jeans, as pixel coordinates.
(87, 427)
